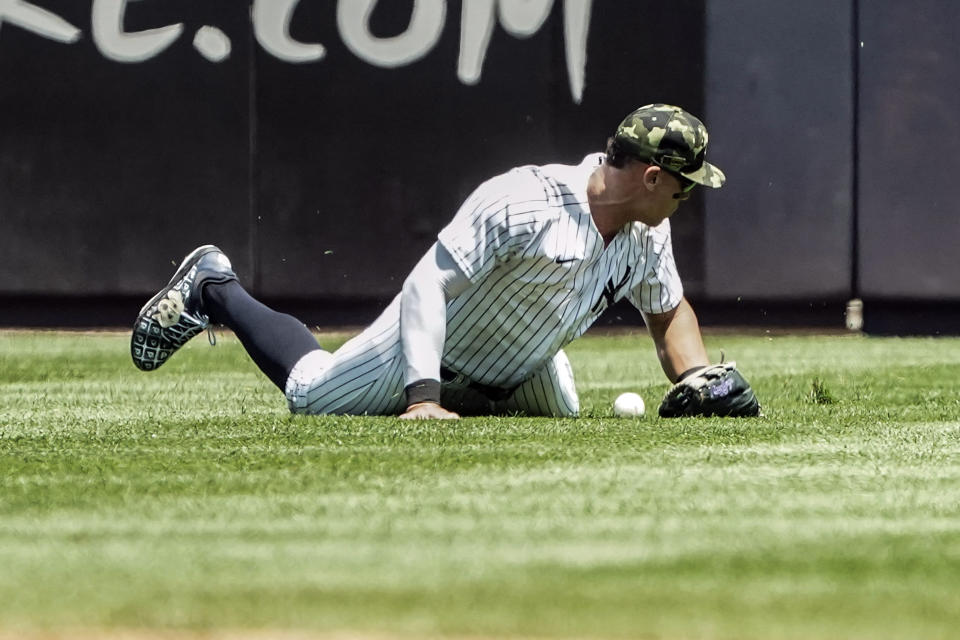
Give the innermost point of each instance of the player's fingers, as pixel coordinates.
(429, 412)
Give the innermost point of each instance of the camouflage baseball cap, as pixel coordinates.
(669, 137)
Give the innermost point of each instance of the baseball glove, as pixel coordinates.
(717, 390)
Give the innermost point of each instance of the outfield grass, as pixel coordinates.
(189, 500)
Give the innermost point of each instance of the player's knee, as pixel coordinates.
(553, 392)
(303, 377)
(568, 400)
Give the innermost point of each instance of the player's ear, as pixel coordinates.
(652, 177)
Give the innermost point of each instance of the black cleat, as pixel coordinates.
(176, 314)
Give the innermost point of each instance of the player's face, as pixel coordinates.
(667, 190)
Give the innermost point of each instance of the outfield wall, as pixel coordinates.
(323, 144)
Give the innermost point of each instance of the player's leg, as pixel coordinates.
(204, 289)
(275, 341)
(364, 376)
(551, 392)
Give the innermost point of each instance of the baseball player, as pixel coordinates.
(530, 260)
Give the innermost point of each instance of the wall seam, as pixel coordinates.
(855, 153)
(253, 230)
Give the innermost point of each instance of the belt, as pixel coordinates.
(492, 393)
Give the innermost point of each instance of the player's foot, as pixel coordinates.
(176, 314)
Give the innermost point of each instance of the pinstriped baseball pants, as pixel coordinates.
(365, 376)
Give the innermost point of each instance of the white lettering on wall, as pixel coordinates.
(520, 18)
(213, 44)
(524, 18)
(426, 24)
(115, 44)
(37, 20)
(576, 28)
(271, 27)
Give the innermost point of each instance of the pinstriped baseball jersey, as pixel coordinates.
(541, 272)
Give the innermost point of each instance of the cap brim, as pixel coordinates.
(707, 175)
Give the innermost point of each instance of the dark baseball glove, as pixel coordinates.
(717, 390)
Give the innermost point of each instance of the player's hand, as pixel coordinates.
(716, 390)
(428, 411)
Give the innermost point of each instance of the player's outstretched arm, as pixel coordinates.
(700, 389)
(679, 344)
(423, 323)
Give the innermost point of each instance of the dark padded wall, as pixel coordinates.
(108, 170)
(909, 131)
(361, 165)
(779, 103)
(120, 151)
(126, 140)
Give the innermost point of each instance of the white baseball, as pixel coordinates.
(628, 405)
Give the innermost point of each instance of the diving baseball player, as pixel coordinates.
(531, 259)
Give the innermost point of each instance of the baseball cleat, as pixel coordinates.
(176, 314)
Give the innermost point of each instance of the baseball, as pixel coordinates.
(628, 405)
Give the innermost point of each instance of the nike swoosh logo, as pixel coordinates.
(564, 260)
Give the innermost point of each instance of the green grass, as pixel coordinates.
(189, 500)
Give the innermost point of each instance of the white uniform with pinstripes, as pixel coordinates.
(540, 276)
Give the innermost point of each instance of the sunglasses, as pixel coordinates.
(686, 184)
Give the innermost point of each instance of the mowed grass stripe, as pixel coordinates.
(190, 499)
